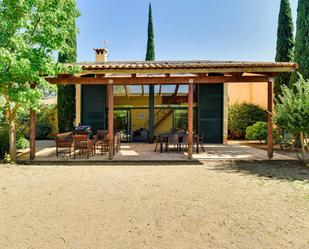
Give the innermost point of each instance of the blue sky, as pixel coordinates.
(184, 30)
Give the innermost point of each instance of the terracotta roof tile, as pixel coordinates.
(139, 65)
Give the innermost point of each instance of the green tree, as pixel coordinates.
(31, 31)
(66, 93)
(292, 111)
(150, 55)
(285, 43)
(302, 39)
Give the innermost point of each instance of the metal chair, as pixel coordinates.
(199, 142)
(172, 139)
(184, 141)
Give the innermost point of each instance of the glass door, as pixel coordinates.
(122, 124)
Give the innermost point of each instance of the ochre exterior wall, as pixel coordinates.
(135, 101)
(166, 125)
(253, 93)
(139, 123)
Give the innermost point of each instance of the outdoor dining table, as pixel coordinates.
(163, 138)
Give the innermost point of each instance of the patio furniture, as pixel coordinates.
(172, 139)
(161, 139)
(117, 143)
(64, 141)
(198, 140)
(101, 141)
(83, 130)
(140, 135)
(83, 145)
(183, 141)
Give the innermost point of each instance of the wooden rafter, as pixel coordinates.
(157, 80)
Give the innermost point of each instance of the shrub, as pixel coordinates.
(43, 128)
(244, 115)
(44, 122)
(258, 131)
(22, 143)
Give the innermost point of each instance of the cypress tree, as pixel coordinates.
(66, 93)
(302, 39)
(285, 43)
(150, 55)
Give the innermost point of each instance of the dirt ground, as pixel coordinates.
(243, 205)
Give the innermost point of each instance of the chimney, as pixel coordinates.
(101, 54)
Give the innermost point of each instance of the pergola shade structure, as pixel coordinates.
(190, 73)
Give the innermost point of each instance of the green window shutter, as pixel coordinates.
(94, 106)
(210, 112)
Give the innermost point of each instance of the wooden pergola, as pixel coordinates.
(170, 72)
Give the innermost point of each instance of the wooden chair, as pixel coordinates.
(101, 141)
(64, 141)
(102, 134)
(117, 143)
(83, 145)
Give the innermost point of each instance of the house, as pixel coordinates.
(151, 97)
(132, 106)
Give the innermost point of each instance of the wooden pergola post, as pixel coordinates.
(190, 119)
(270, 100)
(32, 130)
(151, 112)
(111, 119)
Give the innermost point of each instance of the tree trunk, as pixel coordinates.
(302, 146)
(12, 135)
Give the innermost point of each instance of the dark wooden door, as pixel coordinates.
(210, 112)
(93, 103)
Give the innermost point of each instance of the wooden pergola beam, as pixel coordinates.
(157, 80)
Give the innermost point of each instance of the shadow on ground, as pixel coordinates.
(290, 171)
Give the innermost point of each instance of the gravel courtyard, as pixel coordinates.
(242, 205)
